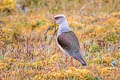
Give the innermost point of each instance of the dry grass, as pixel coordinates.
(28, 49)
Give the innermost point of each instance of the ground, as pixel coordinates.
(28, 49)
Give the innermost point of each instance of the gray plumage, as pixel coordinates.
(67, 40)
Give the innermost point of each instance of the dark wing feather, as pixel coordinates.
(63, 41)
(69, 42)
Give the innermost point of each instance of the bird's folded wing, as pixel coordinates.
(63, 41)
(68, 41)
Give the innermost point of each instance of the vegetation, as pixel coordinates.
(28, 49)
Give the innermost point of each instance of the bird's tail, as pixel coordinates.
(82, 61)
(79, 57)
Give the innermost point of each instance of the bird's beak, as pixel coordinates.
(53, 20)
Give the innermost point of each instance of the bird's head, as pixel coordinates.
(58, 19)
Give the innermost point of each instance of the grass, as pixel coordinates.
(28, 49)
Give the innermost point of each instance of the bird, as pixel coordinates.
(67, 40)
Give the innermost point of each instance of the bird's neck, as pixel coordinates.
(63, 27)
(63, 24)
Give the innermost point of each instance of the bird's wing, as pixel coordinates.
(69, 42)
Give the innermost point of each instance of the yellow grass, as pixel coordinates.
(28, 49)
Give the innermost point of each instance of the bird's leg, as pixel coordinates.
(72, 61)
(57, 66)
(66, 59)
